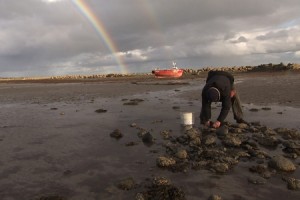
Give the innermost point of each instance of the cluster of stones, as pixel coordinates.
(259, 68)
(94, 76)
(221, 150)
(154, 188)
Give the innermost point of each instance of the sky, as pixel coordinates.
(69, 37)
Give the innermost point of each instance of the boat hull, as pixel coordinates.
(168, 73)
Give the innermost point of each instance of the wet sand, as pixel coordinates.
(52, 142)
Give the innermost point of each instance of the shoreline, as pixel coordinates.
(188, 73)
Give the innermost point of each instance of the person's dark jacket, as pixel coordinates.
(223, 81)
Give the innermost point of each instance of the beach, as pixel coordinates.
(57, 138)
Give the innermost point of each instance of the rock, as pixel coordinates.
(222, 131)
(242, 126)
(176, 107)
(232, 141)
(161, 189)
(209, 140)
(133, 125)
(220, 167)
(292, 183)
(288, 133)
(266, 108)
(147, 138)
(215, 197)
(139, 196)
(127, 184)
(193, 133)
(257, 180)
(116, 134)
(195, 142)
(269, 141)
(165, 134)
(282, 163)
(128, 144)
(161, 181)
(182, 154)
(199, 165)
(165, 161)
(141, 133)
(101, 111)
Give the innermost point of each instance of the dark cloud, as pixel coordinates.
(42, 38)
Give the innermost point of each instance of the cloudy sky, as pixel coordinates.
(58, 37)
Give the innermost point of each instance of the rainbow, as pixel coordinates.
(102, 32)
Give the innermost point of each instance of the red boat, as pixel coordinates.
(174, 72)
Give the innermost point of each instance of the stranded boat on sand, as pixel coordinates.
(174, 72)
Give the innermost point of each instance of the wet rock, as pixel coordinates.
(232, 141)
(176, 107)
(270, 132)
(160, 191)
(141, 133)
(229, 161)
(126, 184)
(262, 154)
(165, 134)
(262, 170)
(242, 126)
(292, 183)
(131, 144)
(222, 131)
(257, 123)
(242, 154)
(133, 125)
(236, 130)
(266, 108)
(161, 181)
(193, 133)
(147, 138)
(163, 161)
(215, 197)
(288, 133)
(116, 134)
(209, 140)
(268, 141)
(139, 196)
(101, 111)
(131, 103)
(200, 165)
(195, 142)
(257, 180)
(282, 163)
(292, 147)
(182, 154)
(220, 167)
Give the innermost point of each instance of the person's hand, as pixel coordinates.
(232, 93)
(217, 124)
(207, 124)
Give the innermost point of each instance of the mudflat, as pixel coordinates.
(110, 139)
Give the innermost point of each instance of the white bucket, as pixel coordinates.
(187, 118)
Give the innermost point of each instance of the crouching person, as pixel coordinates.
(219, 87)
